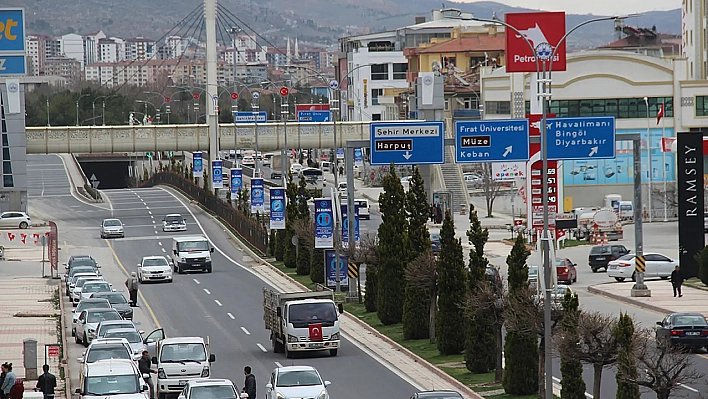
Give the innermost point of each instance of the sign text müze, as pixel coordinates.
(476, 141)
(394, 145)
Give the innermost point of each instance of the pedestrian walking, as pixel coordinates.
(144, 366)
(9, 381)
(432, 213)
(46, 383)
(132, 284)
(438, 214)
(677, 281)
(249, 385)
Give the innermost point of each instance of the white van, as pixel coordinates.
(364, 208)
(626, 210)
(191, 253)
(180, 360)
(114, 379)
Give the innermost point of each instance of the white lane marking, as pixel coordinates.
(163, 250)
(217, 302)
(196, 281)
(262, 348)
(150, 213)
(245, 331)
(153, 221)
(159, 243)
(147, 207)
(278, 364)
(155, 230)
(231, 316)
(207, 291)
(689, 388)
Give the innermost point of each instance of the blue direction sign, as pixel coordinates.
(581, 138)
(492, 141)
(407, 143)
(248, 116)
(12, 65)
(313, 116)
(12, 24)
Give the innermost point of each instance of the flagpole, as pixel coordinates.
(663, 154)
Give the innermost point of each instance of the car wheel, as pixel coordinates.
(634, 276)
(24, 225)
(102, 236)
(73, 332)
(569, 281)
(76, 338)
(664, 277)
(85, 341)
(620, 279)
(288, 354)
(594, 269)
(575, 280)
(208, 269)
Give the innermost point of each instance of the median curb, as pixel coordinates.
(594, 290)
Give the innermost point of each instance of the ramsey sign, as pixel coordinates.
(543, 30)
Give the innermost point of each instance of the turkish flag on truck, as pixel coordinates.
(315, 332)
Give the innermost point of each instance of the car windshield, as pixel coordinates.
(689, 320)
(83, 269)
(213, 392)
(193, 246)
(115, 299)
(297, 378)
(435, 237)
(324, 312)
(559, 290)
(440, 395)
(560, 262)
(112, 385)
(174, 219)
(83, 262)
(96, 287)
(600, 250)
(177, 353)
(132, 336)
(98, 317)
(92, 305)
(111, 223)
(361, 204)
(627, 257)
(104, 328)
(108, 352)
(80, 283)
(155, 262)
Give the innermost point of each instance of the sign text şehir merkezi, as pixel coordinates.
(406, 131)
(569, 134)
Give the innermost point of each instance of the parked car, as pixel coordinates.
(364, 208)
(88, 322)
(658, 265)
(80, 261)
(91, 287)
(15, 220)
(557, 295)
(76, 292)
(601, 255)
(135, 340)
(436, 395)
(112, 228)
(211, 388)
(118, 302)
(101, 349)
(75, 273)
(688, 330)
(90, 303)
(106, 379)
(296, 382)
(566, 271)
(435, 242)
(107, 325)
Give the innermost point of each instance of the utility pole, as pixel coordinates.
(334, 108)
(212, 88)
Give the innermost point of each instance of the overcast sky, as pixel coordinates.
(597, 7)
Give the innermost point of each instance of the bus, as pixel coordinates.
(314, 178)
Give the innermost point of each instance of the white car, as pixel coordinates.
(248, 161)
(295, 169)
(15, 220)
(364, 208)
(131, 335)
(174, 222)
(91, 287)
(296, 382)
(78, 287)
(88, 322)
(210, 388)
(71, 283)
(112, 379)
(112, 228)
(101, 349)
(154, 268)
(91, 303)
(657, 265)
(109, 325)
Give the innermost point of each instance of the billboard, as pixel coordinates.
(217, 177)
(236, 180)
(197, 164)
(543, 31)
(690, 200)
(277, 208)
(257, 196)
(324, 223)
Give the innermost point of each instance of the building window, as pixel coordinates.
(701, 105)
(447, 105)
(8, 181)
(375, 93)
(447, 60)
(7, 167)
(470, 103)
(399, 71)
(5, 153)
(497, 107)
(620, 108)
(379, 72)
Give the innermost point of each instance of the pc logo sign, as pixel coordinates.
(543, 31)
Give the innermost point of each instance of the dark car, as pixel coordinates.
(435, 242)
(80, 260)
(436, 395)
(601, 255)
(118, 302)
(566, 271)
(688, 330)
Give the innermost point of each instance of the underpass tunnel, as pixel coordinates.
(107, 174)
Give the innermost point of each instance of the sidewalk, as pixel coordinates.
(29, 309)
(661, 300)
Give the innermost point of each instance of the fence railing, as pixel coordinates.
(249, 229)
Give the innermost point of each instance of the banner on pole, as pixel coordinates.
(197, 164)
(324, 223)
(217, 177)
(257, 196)
(236, 180)
(277, 208)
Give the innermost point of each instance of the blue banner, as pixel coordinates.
(257, 196)
(358, 157)
(277, 208)
(340, 153)
(345, 225)
(324, 223)
(197, 164)
(236, 180)
(217, 177)
(331, 269)
(13, 30)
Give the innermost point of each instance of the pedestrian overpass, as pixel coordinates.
(144, 138)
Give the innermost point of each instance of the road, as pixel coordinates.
(225, 305)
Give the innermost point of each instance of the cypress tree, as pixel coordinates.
(291, 214)
(271, 243)
(480, 344)
(303, 258)
(452, 288)
(317, 265)
(393, 253)
(520, 348)
(279, 245)
(572, 383)
(372, 288)
(626, 360)
(416, 308)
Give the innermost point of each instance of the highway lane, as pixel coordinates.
(227, 304)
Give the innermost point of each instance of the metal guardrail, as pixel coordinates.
(254, 233)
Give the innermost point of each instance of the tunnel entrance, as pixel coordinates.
(108, 174)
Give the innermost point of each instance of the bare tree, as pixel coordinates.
(422, 272)
(593, 344)
(525, 313)
(491, 301)
(662, 368)
(304, 229)
(367, 250)
(490, 187)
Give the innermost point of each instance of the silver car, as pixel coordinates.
(112, 228)
(135, 340)
(91, 303)
(296, 382)
(15, 220)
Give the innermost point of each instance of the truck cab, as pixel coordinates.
(180, 360)
(191, 253)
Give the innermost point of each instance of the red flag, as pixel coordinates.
(10, 236)
(23, 237)
(667, 143)
(660, 114)
(315, 332)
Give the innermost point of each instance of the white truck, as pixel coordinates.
(302, 321)
(179, 360)
(191, 253)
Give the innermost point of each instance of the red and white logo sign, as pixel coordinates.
(543, 31)
(284, 91)
(234, 96)
(315, 332)
(196, 96)
(167, 99)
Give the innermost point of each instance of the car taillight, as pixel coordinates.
(677, 332)
(704, 333)
(625, 264)
(612, 258)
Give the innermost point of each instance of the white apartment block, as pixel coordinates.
(72, 46)
(35, 50)
(144, 73)
(140, 49)
(176, 46)
(91, 47)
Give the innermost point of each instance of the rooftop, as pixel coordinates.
(467, 44)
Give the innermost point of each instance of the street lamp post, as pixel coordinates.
(77, 107)
(650, 166)
(48, 124)
(103, 113)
